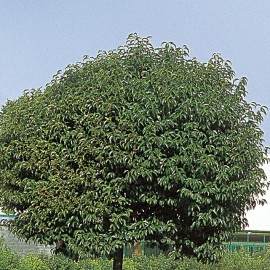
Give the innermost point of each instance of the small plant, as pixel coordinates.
(8, 258)
(58, 262)
(33, 262)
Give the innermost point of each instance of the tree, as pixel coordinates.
(138, 143)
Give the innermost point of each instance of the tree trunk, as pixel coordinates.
(118, 259)
(61, 248)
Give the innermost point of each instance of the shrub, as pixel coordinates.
(140, 262)
(58, 262)
(33, 262)
(8, 258)
(241, 260)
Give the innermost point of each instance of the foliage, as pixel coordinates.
(32, 262)
(8, 259)
(60, 262)
(137, 143)
(139, 262)
(241, 260)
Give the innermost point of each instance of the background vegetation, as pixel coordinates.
(9, 260)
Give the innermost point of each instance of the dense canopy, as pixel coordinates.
(138, 143)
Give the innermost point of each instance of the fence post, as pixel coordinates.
(143, 248)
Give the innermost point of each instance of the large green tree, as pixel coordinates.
(138, 143)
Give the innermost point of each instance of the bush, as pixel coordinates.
(139, 262)
(58, 262)
(241, 260)
(97, 264)
(8, 259)
(33, 262)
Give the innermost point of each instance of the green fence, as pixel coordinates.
(251, 241)
(250, 247)
(147, 248)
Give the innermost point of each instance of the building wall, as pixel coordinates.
(22, 247)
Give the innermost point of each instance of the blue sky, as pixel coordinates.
(40, 37)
